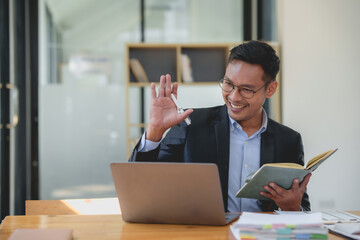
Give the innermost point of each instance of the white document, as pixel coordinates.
(300, 219)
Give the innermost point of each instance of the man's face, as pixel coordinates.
(249, 76)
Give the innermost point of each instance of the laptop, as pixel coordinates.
(173, 193)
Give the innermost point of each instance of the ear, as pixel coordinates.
(271, 89)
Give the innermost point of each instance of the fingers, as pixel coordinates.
(165, 86)
(274, 190)
(305, 182)
(295, 184)
(174, 89)
(162, 86)
(168, 85)
(265, 194)
(290, 199)
(153, 90)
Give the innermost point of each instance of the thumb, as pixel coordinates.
(185, 114)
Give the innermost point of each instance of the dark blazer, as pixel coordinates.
(207, 140)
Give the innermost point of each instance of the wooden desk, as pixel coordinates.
(93, 206)
(113, 227)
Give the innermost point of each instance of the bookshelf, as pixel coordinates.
(207, 66)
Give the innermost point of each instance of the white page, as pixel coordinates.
(259, 219)
(300, 219)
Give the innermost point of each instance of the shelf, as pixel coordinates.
(131, 84)
(139, 125)
(155, 61)
(207, 63)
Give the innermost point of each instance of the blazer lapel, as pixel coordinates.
(267, 150)
(222, 137)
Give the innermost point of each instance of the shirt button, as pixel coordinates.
(246, 142)
(246, 165)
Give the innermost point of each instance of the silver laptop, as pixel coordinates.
(175, 193)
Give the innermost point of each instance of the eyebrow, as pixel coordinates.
(243, 85)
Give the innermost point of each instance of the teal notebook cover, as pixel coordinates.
(266, 174)
(282, 176)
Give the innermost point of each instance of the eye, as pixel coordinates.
(247, 90)
(229, 84)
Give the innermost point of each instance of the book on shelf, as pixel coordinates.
(281, 174)
(138, 70)
(186, 71)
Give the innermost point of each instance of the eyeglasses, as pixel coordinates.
(245, 92)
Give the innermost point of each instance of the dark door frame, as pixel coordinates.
(26, 80)
(24, 30)
(33, 28)
(5, 133)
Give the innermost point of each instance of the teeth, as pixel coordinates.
(237, 107)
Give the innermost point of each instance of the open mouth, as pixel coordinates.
(237, 107)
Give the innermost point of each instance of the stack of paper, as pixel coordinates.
(272, 226)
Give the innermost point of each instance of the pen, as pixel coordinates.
(180, 109)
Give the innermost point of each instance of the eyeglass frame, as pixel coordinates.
(240, 87)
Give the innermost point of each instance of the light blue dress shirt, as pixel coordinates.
(147, 145)
(244, 160)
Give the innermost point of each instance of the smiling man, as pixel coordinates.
(238, 136)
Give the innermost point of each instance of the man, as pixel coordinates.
(238, 136)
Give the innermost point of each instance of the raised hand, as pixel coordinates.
(163, 111)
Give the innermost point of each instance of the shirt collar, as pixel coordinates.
(262, 129)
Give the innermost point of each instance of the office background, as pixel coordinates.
(81, 113)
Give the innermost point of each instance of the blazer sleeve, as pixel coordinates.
(305, 202)
(288, 148)
(171, 148)
(149, 156)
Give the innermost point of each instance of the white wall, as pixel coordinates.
(320, 92)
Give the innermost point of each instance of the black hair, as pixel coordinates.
(257, 52)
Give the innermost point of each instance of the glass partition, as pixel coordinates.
(199, 21)
(82, 94)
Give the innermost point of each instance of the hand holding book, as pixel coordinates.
(281, 174)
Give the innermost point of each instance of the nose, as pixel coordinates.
(235, 94)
